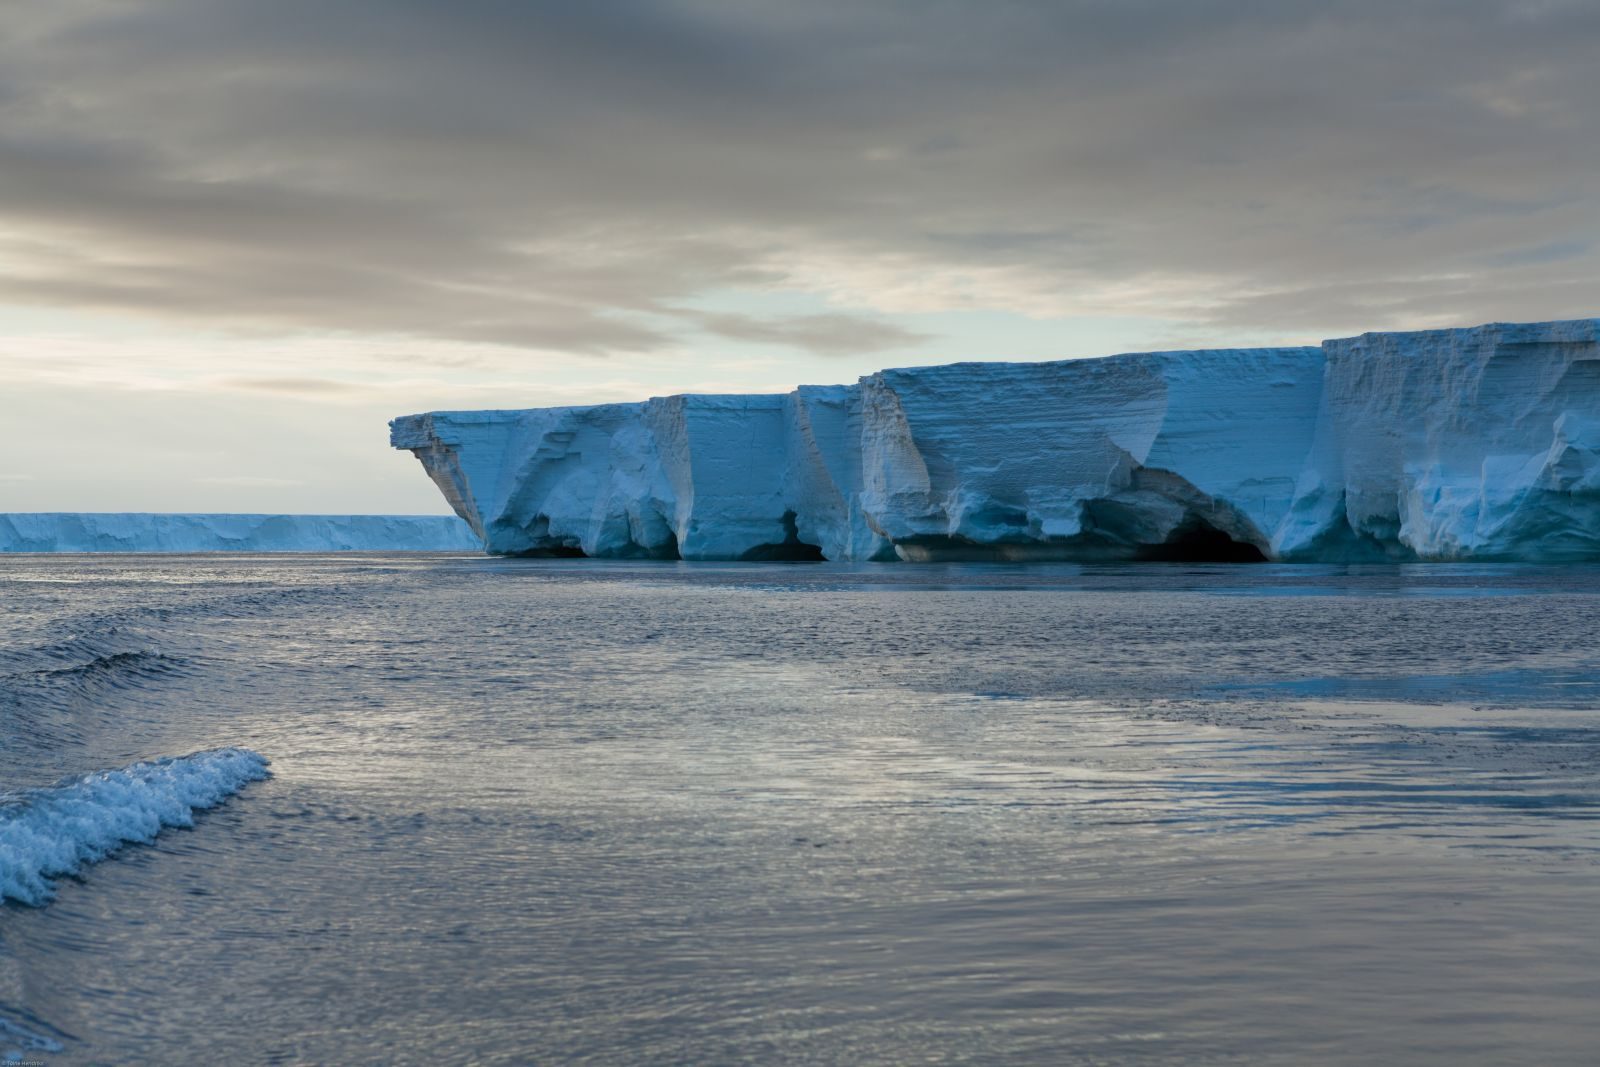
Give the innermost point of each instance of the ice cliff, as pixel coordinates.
(1478, 443)
(56, 531)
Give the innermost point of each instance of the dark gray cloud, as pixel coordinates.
(568, 176)
(826, 334)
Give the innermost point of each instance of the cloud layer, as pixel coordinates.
(578, 178)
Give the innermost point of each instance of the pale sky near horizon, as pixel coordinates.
(237, 237)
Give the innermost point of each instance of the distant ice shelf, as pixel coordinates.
(55, 531)
(1464, 444)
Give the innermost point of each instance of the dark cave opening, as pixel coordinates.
(1197, 541)
(551, 552)
(667, 550)
(790, 550)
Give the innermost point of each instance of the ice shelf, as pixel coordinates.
(1480, 444)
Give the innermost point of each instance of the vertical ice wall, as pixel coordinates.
(1479, 443)
(1087, 458)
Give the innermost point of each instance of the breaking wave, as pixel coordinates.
(45, 833)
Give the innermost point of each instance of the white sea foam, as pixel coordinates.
(17, 1041)
(45, 833)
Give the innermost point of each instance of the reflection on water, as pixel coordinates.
(533, 811)
(1577, 688)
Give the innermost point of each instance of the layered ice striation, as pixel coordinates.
(60, 531)
(47, 833)
(1478, 443)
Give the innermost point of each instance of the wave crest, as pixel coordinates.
(45, 833)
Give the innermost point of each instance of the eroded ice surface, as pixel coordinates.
(1478, 443)
(65, 531)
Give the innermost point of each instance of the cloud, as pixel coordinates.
(823, 334)
(291, 386)
(564, 177)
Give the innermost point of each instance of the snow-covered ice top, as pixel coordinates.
(1478, 443)
(63, 531)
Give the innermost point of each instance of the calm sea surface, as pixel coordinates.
(584, 812)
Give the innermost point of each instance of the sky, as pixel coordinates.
(237, 237)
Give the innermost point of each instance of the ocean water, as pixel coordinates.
(412, 809)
